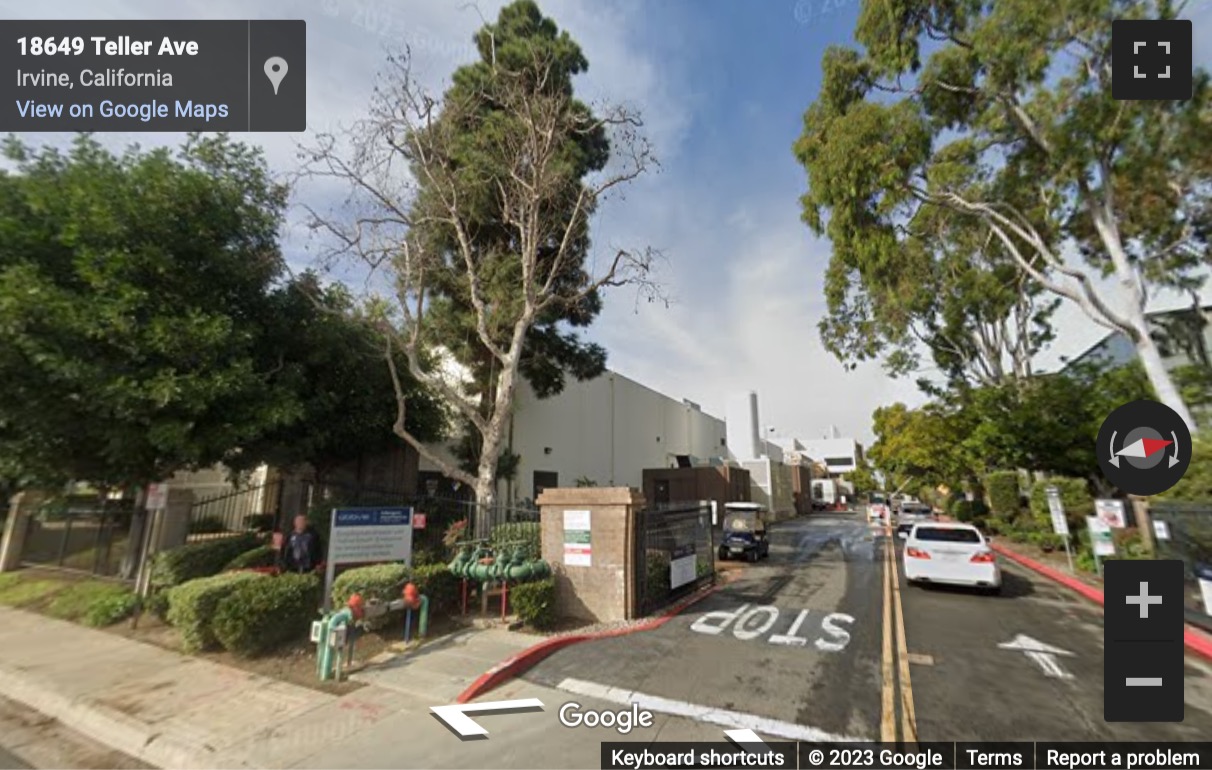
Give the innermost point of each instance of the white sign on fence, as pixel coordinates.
(1162, 530)
(1060, 525)
(1112, 512)
(578, 548)
(1100, 536)
(683, 566)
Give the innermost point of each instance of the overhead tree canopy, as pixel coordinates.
(132, 288)
(981, 130)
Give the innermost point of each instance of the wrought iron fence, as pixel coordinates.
(1185, 533)
(87, 535)
(254, 509)
(675, 553)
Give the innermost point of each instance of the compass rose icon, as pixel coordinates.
(1134, 441)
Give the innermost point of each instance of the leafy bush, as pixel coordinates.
(207, 525)
(384, 582)
(157, 603)
(525, 533)
(192, 605)
(971, 512)
(111, 609)
(1196, 483)
(261, 556)
(1129, 544)
(1002, 487)
(94, 603)
(658, 574)
(257, 616)
(1074, 495)
(198, 560)
(535, 603)
(442, 588)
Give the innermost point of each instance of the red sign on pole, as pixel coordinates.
(418, 521)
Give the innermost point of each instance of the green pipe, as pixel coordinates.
(423, 621)
(327, 653)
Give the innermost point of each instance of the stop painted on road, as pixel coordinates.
(750, 622)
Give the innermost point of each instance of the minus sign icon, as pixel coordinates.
(1144, 681)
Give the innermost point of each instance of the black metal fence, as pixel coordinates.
(81, 534)
(256, 509)
(674, 553)
(1187, 530)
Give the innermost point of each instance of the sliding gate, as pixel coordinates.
(674, 553)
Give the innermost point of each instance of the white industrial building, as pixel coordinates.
(604, 431)
(839, 455)
(772, 482)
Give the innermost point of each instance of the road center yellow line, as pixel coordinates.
(888, 705)
(908, 715)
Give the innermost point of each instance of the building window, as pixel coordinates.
(545, 480)
(832, 461)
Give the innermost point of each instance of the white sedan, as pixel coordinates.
(951, 554)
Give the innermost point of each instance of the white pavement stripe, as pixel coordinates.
(708, 714)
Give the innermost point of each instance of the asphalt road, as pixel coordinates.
(818, 643)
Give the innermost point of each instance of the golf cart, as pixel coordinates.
(744, 532)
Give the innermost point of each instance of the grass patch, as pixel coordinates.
(22, 592)
(93, 603)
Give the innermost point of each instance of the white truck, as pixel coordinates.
(825, 494)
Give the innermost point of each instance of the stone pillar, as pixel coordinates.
(16, 527)
(600, 591)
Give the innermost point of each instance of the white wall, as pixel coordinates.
(825, 449)
(608, 429)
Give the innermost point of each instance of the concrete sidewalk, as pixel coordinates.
(177, 711)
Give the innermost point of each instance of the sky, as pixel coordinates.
(722, 86)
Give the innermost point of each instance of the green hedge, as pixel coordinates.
(1075, 496)
(535, 603)
(192, 605)
(197, 560)
(971, 512)
(528, 533)
(384, 582)
(1002, 487)
(261, 556)
(442, 588)
(260, 615)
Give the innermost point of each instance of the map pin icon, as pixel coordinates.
(275, 70)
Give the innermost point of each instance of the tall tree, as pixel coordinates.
(479, 205)
(132, 289)
(329, 358)
(1008, 124)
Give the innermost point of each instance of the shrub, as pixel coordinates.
(157, 603)
(112, 609)
(384, 582)
(197, 560)
(257, 616)
(535, 603)
(94, 603)
(442, 588)
(657, 574)
(1075, 496)
(191, 606)
(207, 525)
(971, 512)
(261, 556)
(1002, 487)
(528, 534)
(1196, 483)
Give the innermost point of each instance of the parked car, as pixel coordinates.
(878, 510)
(951, 554)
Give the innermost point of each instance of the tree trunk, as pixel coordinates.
(1160, 379)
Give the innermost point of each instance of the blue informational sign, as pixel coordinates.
(371, 517)
(367, 536)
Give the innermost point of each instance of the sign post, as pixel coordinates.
(1060, 525)
(367, 535)
(1101, 541)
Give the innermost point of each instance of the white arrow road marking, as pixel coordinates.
(746, 739)
(708, 714)
(455, 715)
(1043, 655)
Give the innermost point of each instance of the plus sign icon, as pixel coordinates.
(1151, 59)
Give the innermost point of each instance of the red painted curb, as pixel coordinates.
(1196, 641)
(527, 658)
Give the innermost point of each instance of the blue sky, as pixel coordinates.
(722, 85)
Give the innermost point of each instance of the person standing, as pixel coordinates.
(302, 550)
